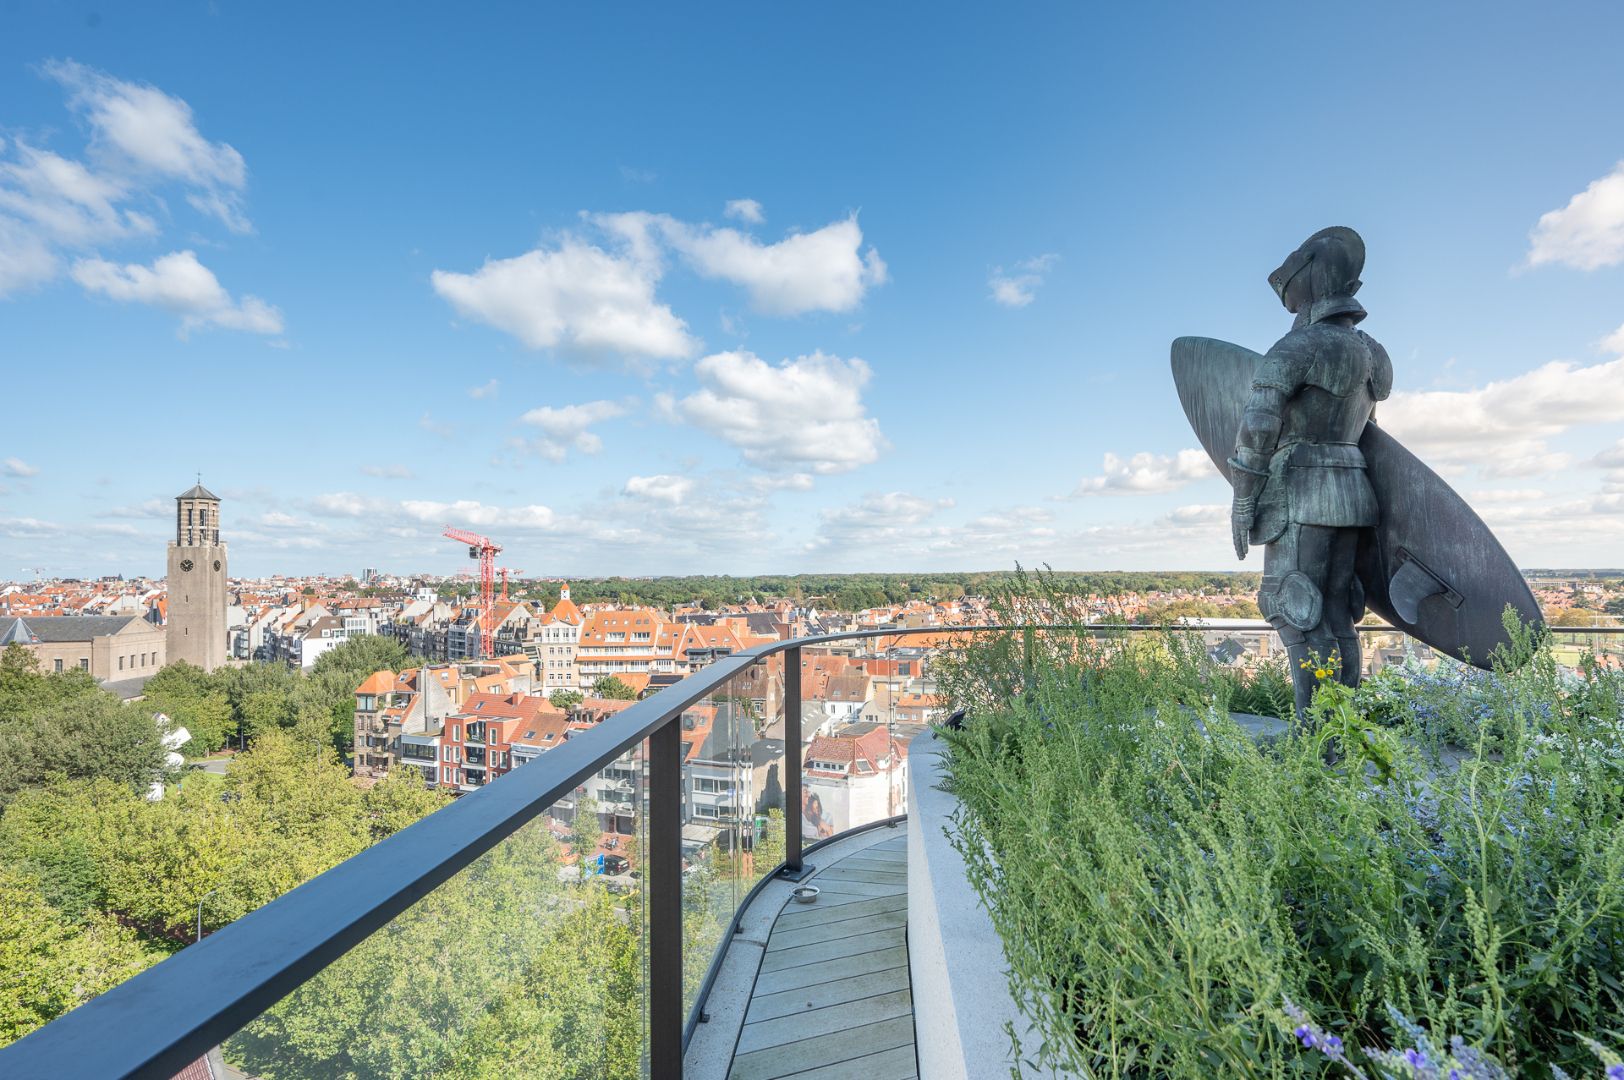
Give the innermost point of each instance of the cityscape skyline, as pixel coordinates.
(566, 292)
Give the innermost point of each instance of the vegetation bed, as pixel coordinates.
(1432, 881)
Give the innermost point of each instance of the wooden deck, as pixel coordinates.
(832, 998)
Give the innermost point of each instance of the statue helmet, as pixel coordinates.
(1327, 264)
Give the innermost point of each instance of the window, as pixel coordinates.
(84, 663)
(59, 667)
(445, 753)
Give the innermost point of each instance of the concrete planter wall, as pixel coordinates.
(960, 979)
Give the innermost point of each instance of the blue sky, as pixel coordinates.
(883, 287)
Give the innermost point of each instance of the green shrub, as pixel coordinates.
(1162, 884)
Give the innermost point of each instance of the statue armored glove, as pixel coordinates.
(1248, 471)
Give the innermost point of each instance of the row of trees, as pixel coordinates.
(854, 592)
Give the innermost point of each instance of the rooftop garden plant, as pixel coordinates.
(1426, 879)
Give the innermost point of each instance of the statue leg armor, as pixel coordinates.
(1307, 597)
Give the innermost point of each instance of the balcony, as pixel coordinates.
(734, 977)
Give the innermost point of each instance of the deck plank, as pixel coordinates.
(778, 959)
(824, 1050)
(897, 1063)
(842, 909)
(819, 995)
(832, 970)
(832, 931)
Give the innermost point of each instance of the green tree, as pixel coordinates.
(361, 656)
(586, 832)
(769, 848)
(48, 965)
(610, 687)
(85, 737)
(195, 700)
(400, 799)
(566, 699)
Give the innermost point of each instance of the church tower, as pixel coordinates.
(197, 582)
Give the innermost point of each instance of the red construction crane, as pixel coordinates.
(505, 571)
(484, 549)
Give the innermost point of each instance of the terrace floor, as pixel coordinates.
(821, 991)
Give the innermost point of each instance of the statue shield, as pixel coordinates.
(1431, 567)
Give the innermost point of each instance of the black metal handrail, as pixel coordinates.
(158, 1022)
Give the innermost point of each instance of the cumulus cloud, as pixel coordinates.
(1613, 343)
(1502, 427)
(567, 426)
(13, 466)
(467, 512)
(802, 415)
(661, 488)
(577, 298)
(824, 270)
(141, 144)
(880, 520)
(387, 513)
(485, 390)
(1147, 474)
(1587, 233)
(181, 285)
(1017, 286)
(745, 210)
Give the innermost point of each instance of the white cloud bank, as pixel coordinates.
(594, 297)
(1587, 233)
(179, 284)
(662, 488)
(1147, 473)
(802, 415)
(747, 210)
(1502, 427)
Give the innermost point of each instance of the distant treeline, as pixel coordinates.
(854, 592)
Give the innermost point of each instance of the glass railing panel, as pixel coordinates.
(529, 962)
(722, 790)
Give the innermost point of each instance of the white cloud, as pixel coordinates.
(569, 426)
(387, 513)
(141, 142)
(13, 466)
(804, 415)
(1501, 427)
(783, 482)
(745, 210)
(467, 512)
(576, 298)
(879, 521)
(823, 270)
(1017, 286)
(1147, 473)
(387, 472)
(1506, 495)
(1588, 233)
(140, 129)
(661, 488)
(486, 390)
(179, 284)
(1613, 343)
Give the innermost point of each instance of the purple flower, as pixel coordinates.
(1333, 1046)
(1306, 1034)
(1615, 1072)
(1415, 1058)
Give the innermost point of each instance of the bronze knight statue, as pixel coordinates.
(1300, 484)
(1349, 518)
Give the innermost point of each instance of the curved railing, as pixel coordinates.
(165, 1018)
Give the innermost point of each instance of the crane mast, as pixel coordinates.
(485, 550)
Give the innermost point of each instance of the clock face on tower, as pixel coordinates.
(217, 564)
(186, 565)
